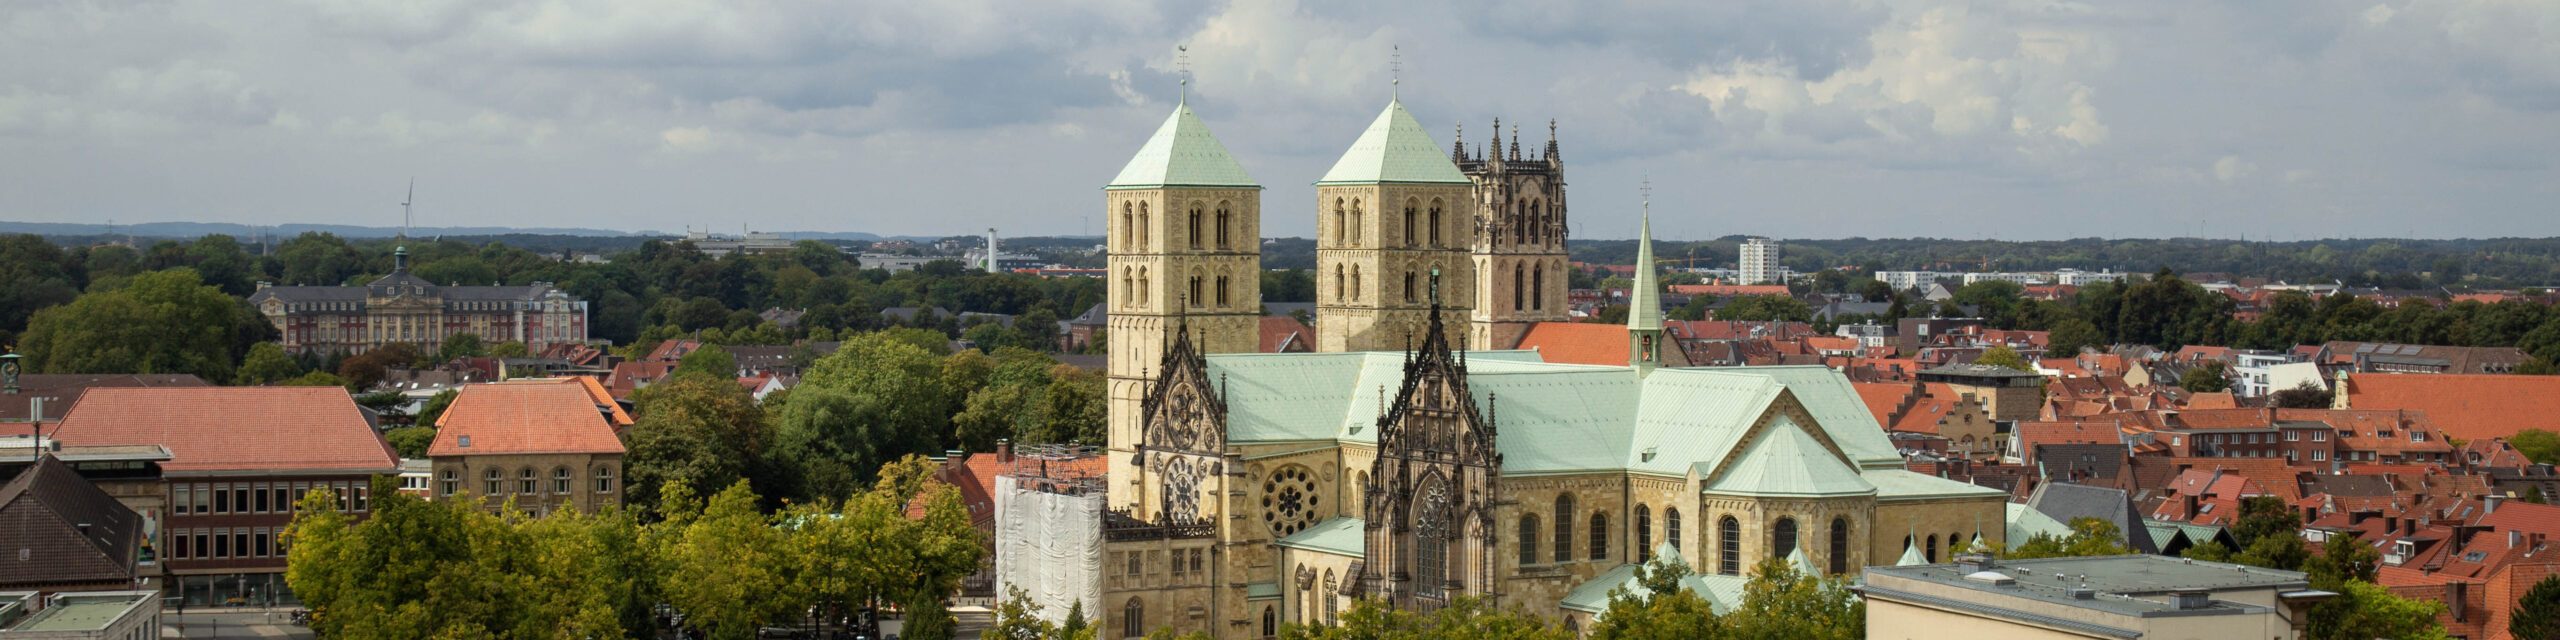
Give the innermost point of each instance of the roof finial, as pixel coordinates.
(1395, 72)
(1182, 67)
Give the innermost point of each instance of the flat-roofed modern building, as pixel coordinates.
(2114, 597)
(84, 615)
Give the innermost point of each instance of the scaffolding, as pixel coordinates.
(1048, 520)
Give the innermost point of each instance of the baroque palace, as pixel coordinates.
(403, 307)
(1418, 457)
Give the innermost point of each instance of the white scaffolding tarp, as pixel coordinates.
(1050, 546)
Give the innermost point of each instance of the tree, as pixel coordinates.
(2534, 495)
(1464, 617)
(2090, 536)
(1780, 602)
(2207, 378)
(266, 364)
(461, 345)
(160, 322)
(2537, 614)
(698, 432)
(410, 442)
(447, 568)
(728, 567)
(1765, 308)
(315, 379)
(2071, 335)
(2003, 356)
(2307, 395)
(2364, 610)
(710, 360)
(2538, 445)
(436, 404)
(1662, 609)
(366, 370)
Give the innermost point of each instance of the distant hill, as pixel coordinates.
(199, 229)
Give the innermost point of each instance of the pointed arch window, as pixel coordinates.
(1223, 223)
(1128, 223)
(1195, 300)
(1409, 281)
(1564, 527)
(1435, 224)
(1331, 602)
(1355, 221)
(1133, 618)
(1529, 532)
(1270, 621)
(1538, 284)
(1784, 542)
(1519, 224)
(1671, 530)
(1128, 287)
(1146, 286)
(1341, 285)
(1142, 227)
(1355, 282)
(1222, 292)
(1839, 546)
(1519, 287)
(1599, 535)
(1537, 222)
(1644, 533)
(1430, 535)
(1193, 229)
(1729, 546)
(1342, 224)
(1410, 209)
(1931, 552)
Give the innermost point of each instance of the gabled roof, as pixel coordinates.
(1338, 536)
(2466, 406)
(1394, 149)
(261, 429)
(1785, 462)
(514, 418)
(1578, 342)
(2026, 522)
(1722, 592)
(70, 531)
(1182, 153)
(2064, 501)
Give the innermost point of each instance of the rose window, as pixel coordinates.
(1289, 501)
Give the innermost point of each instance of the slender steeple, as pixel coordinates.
(1644, 303)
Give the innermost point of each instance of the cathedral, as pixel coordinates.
(1419, 456)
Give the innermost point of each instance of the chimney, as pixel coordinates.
(2490, 503)
(1004, 450)
(2514, 538)
(2190, 504)
(2453, 599)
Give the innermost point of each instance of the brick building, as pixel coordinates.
(403, 307)
(240, 457)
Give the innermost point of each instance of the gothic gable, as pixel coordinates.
(1433, 413)
(1796, 417)
(1183, 410)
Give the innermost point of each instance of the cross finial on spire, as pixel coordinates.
(1182, 67)
(1647, 189)
(1395, 71)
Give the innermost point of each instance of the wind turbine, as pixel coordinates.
(404, 207)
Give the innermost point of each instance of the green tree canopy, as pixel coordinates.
(2003, 356)
(159, 322)
(700, 432)
(2205, 378)
(2539, 445)
(2537, 614)
(266, 364)
(2089, 537)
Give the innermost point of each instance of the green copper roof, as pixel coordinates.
(1644, 305)
(1182, 154)
(1803, 563)
(1911, 555)
(1394, 149)
(1338, 536)
(1721, 592)
(2025, 522)
(1786, 461)
(1897, 484)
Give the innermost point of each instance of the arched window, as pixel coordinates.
(1408, 286)
(1340, 222)
(1519, 224)
(1671, 530)
(1431, 521)
(1784, 542)
(1128, 224)
(1360, 492)
(1331, 603)
(1222, 227)
(1644, 533)
(1195, 300)
(1355, 282)
(1306, 598)
(524, 481)
(1729, 546)
(1529, 532)
(1955, 545)
(1599, 535)
(1931, 552)
(1341, 285)
(1537, 222)
(1519, 287)
(1194, 230)
(1538, 283)
(1435, 224)
(1133, 619)
(1222, 291)
(1142, 226)
(1839, 546)
(1146, 285)
(1128, 287)
(1564, 528)
(1270, 622)
(1410, 238)
(1355, 221)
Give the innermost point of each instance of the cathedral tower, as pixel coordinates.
(1519, 237)
(1392, 212)
(1185, 254)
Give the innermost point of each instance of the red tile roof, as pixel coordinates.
(508, 418)
(1730, 289)
(1578, 342)
(2466, 406)
(266, 429)
(2213, 400)
(1284, 334)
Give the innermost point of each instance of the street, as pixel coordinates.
(231, 623)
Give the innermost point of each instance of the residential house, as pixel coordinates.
(68, 535)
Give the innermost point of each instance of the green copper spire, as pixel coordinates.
(1644, 304)
(1182, 154)
(1394, 149)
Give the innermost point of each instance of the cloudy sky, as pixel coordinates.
(1793, 118)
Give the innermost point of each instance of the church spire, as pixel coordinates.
(1644, 304)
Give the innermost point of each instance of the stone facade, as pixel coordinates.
(537, 483)
(1379, 267)
(405, 308)
(1518, 244)
(1181, 259)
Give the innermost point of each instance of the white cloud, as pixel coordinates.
(2229, 169)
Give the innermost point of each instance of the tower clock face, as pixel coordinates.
(1181, 490)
